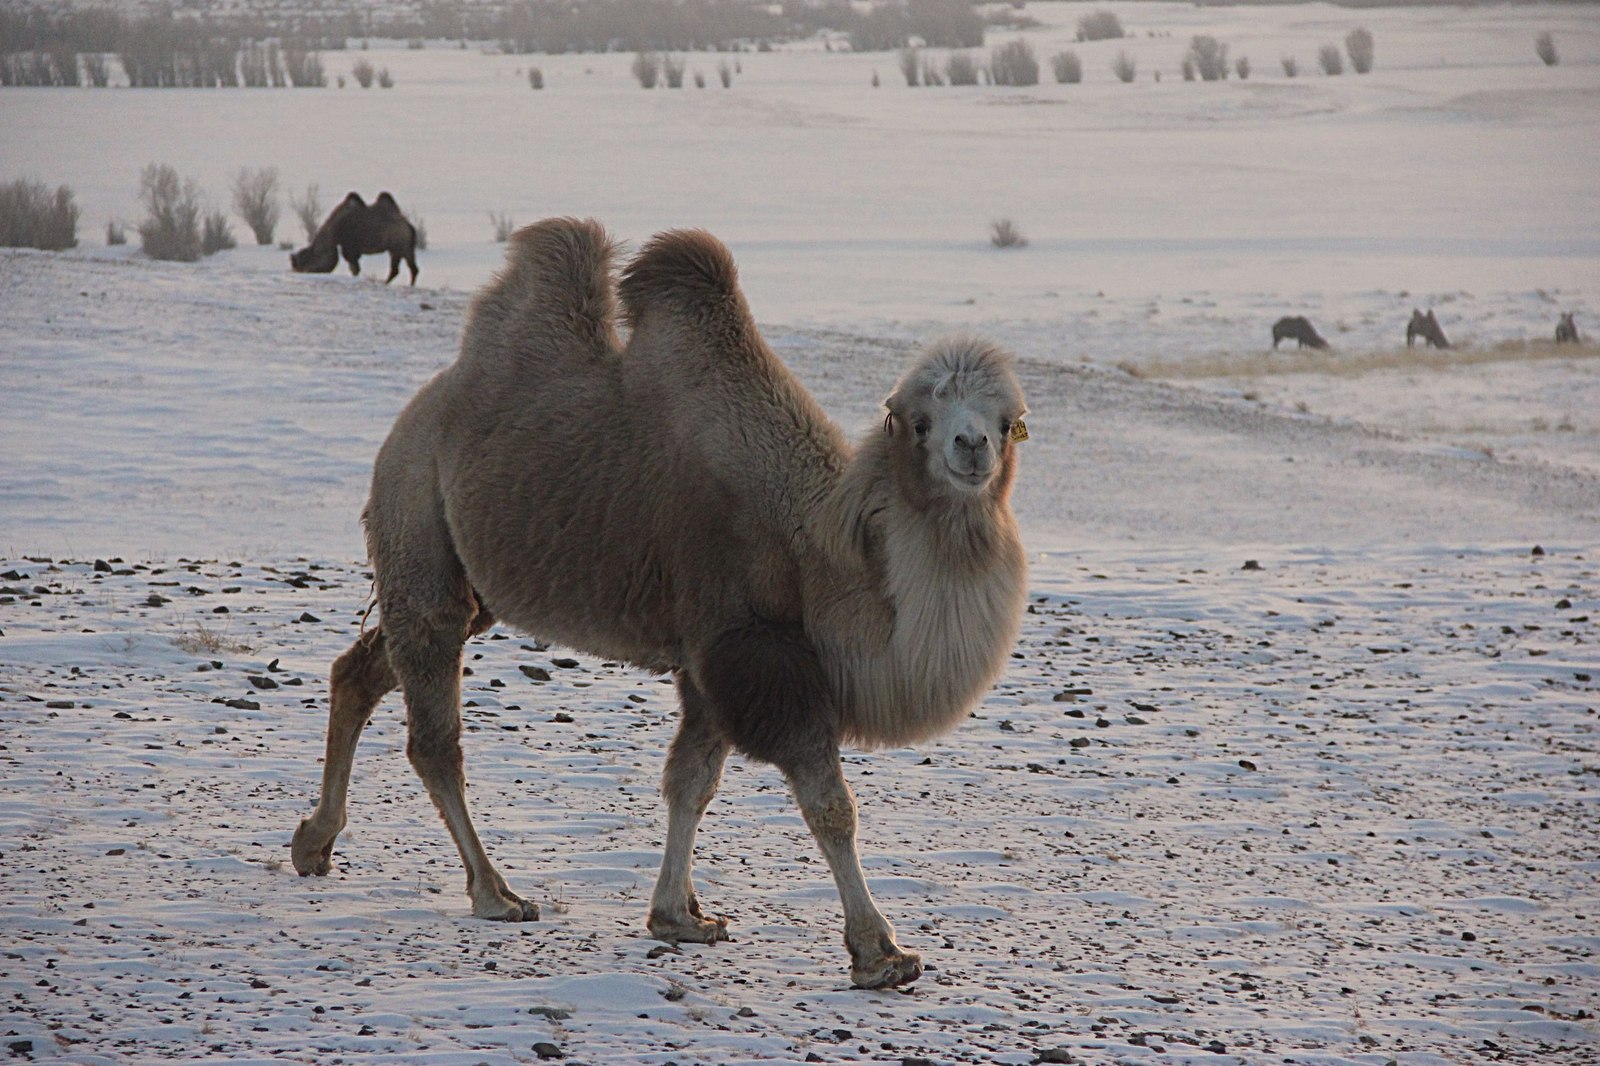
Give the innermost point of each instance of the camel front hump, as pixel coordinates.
(803, 592)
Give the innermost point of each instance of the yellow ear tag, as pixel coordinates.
(1019, 431)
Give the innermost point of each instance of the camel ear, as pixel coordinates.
(888, 423)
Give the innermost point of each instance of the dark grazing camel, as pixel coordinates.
(354, 229)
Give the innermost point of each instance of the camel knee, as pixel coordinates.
(362, 675)
(435, 754)
(831, 813)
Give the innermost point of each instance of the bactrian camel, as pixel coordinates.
(682, 503)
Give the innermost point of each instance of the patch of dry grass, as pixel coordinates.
(202, 639)
(1353, 364)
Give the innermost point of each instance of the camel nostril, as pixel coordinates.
(972, 443)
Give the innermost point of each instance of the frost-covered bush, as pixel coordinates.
(1210, 57)
(363, 72)
(115, 234)
(961, 69)
(1125, 68)
(384, 80)
(215, 234)
(672, 71)
(255, 197)
(1291, 66)
(171, 228)
(1545, 45)
(308, 210)
(1099, 26)
(1013, 63)
(910, 67)
(1360, 46)
(535, 78)
(1068, 67)
(1329, 59)
(1003, 233)
(646, 69)
(1241, 67)
(31, 216)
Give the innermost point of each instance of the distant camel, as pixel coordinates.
(684, 505)
(1427, 327)
(353, 230)
(1297, 328)
(1567, 330)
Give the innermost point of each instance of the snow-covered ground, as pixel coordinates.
(1335, 808)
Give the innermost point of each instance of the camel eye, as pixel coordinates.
(922, 425)
(1005, 428)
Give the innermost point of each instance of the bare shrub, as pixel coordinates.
(1188, 68)
(304, 69)
(504, 227)
(363, 72)
(115, 234)
(308, 209)
(255, 197)
(672, 71)
(1013, 63)
(961, 69)
(1210, 57)
(216, 235)
(911, 66)
(1068, 68)
(1125, 68)
(1291, 66)
(725, 74)
(384, 80)
(1359, 44)
(171, 229)
(1545, 45)
(1099, 26)
(647, 69)
(1003, 233)
(535, 78)
(96, 69)
(31, 216)
(699, 79)
(1329, 59)
(1241, 67)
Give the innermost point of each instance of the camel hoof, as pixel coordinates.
(310, 859)
(508, 908)
(689, 929)
(893, 968)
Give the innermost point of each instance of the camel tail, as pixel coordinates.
(687, 271)
(555, 290)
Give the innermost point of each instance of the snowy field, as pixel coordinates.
(1335, 808)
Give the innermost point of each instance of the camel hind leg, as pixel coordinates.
(429, 612)
(360, 678)
(694, 767)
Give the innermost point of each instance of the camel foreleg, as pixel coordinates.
(876, 959)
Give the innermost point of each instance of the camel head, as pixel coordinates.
(956, 417)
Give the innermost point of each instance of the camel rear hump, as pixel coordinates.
(554, 295)
(687, 271)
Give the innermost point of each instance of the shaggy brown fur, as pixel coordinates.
(354, 229)
(1297, 328)
(1427, 327)
(686, 506)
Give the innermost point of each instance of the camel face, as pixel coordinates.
(970, 447)
(959, 411)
